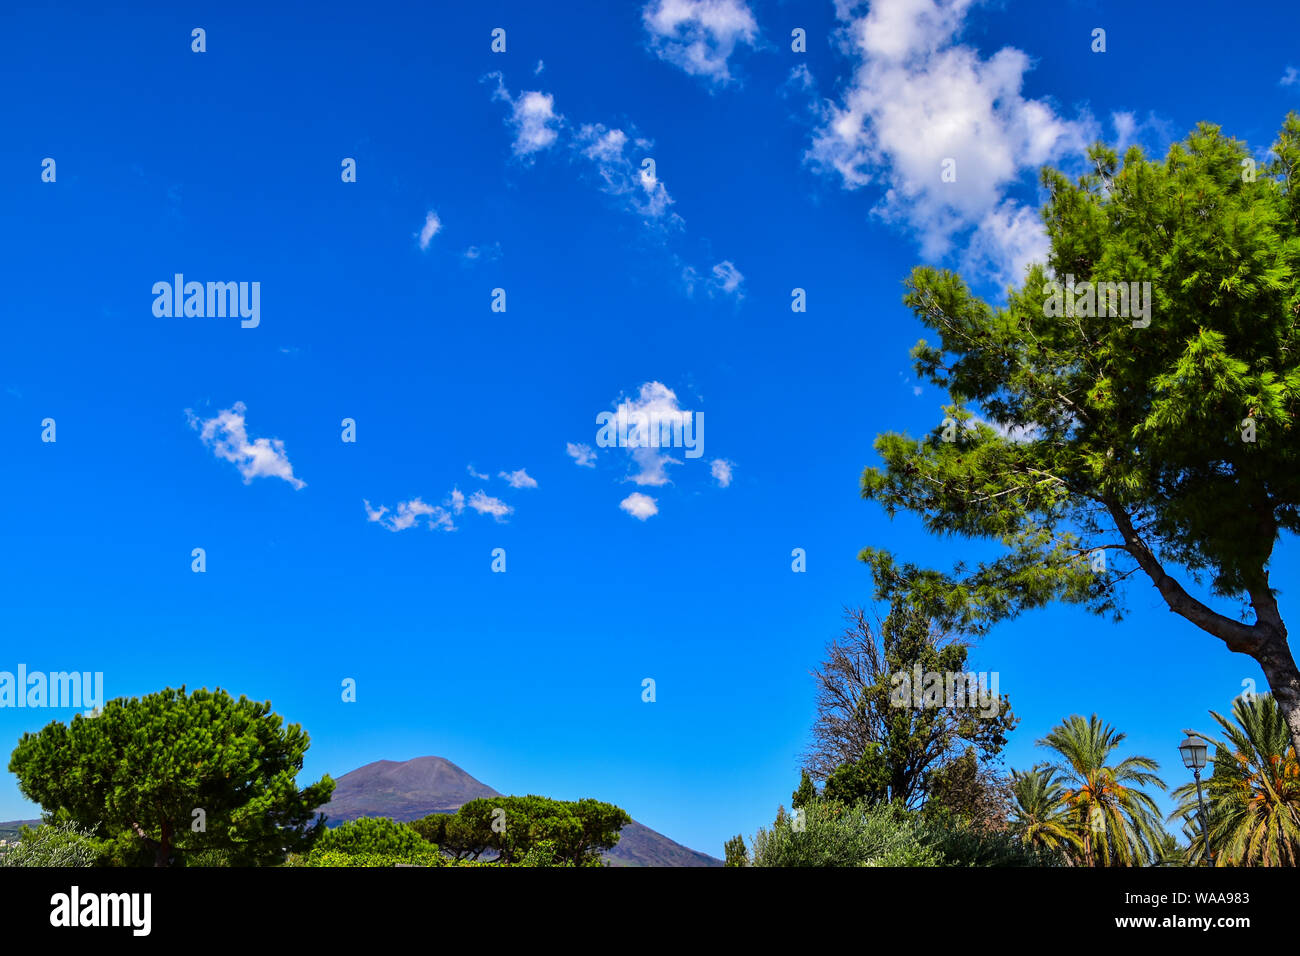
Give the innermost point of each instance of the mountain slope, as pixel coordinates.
(410, 789)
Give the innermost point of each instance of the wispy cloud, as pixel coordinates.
(408, 513)
(699, 36)
(581, 454)
(721, 471)
(1290, 78)
(519, 479)
(227, 435)
(432, 226)
(485, 504)
(625, 176)
(618, 159)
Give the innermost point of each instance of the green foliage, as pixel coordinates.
(139, 770)
(834, 834)
(1117, 821)
(872, 742)
(320, 857)
(1170, 445)
(806, 792)
(972, 793)
(1253, 795)
(736, 854)
(579, 831)
(52, 844)
(543, 853)
(374, 835)
(207, 858)
(1039, 815)
(959, 841)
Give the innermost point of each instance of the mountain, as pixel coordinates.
(404, 790)
(410, 789)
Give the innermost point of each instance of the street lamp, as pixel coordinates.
(1194, 750)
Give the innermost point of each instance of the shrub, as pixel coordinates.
(834, 834)
(53, 844)
(960, 843)
(376, 835)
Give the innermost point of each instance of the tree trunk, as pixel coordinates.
(1275, 658)
(163, 851)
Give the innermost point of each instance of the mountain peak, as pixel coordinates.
(410, 789)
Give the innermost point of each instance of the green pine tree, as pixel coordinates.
(1160, 442)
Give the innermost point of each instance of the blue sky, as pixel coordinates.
(522, 171)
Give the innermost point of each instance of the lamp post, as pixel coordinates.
(1194, 750)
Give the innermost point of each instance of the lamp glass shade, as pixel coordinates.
(1194, 751)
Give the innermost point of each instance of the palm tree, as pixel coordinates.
(1254, 791)
(1038, 812)
(1117, 820)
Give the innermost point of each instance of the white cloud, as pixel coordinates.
(725, 279)
(540, 66)
(477, 474)
(659, 402)
(487, 505)
(918, 98)
(699, 36)
(432, 226)
(408, 513)
(227, 435)
(721, 470)
(728, 277)
(519, 479)
(486, 253)
(639, 506)
(533, 119)
(624, 175)
(582, 454)
(1290, 77)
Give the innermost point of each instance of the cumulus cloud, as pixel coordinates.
(532, 118)
(918, 98)
(639, 506)
(519, 479)
(477, 474)
(581, 454)
(658, 402)
(699, 36)
(647, 427)
(432, 226)
(227, 435)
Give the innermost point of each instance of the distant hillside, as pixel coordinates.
(9, 830)
(415, 788)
